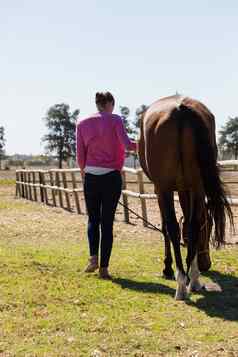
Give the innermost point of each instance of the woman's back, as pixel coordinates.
(104, 138)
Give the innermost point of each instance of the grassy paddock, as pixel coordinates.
(48, 307)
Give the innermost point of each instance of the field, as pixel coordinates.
(49, 307)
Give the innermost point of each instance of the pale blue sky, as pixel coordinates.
(64, 51)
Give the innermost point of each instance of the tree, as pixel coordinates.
(61, 124)
(2, 144)
(139, 112)
(228, 141)
(125, 112)
(133, 126)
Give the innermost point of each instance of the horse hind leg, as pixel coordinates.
(194, 273)
(184, 200)
(168, 272)
(192, 263)
(166, 200)
(181, 291)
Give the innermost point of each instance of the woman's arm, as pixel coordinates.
(123, 137)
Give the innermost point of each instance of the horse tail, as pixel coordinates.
(217, 202)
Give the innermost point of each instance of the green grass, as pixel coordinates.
(49, 307)
(7, 182)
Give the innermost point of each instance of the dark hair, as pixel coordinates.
(102, 99)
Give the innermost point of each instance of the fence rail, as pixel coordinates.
(63, 187)
(65, 184)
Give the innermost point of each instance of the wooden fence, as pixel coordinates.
(66, 184)
(63, 187)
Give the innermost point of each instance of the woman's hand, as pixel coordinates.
(82, 175)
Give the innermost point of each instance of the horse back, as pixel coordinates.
(167, 146)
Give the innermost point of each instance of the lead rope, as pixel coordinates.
(204, 225)
(138, 216)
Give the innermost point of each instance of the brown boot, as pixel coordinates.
(92, 264)
(104, 274)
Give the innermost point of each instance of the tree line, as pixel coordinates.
(60, 140)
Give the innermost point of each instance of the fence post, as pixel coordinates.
(57, 177)
(124, 198)
(44, 188)
(76, 197)
(142, 200)
(41, 188)
(22, 184)
(34, 183)
(29, 185)
(66, 193)
(52, 184)
(25, 185)
(17, 185)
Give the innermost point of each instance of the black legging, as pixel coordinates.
(102, 193)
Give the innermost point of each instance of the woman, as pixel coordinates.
(101, 141)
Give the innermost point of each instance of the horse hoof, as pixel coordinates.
(181, 296)
(196, 288)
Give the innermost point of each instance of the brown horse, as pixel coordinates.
(178, 152)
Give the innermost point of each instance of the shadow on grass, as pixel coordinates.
(222, 304)
(144, 287)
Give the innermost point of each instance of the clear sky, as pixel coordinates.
(56, 51)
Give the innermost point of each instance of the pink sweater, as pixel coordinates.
(101, 141)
